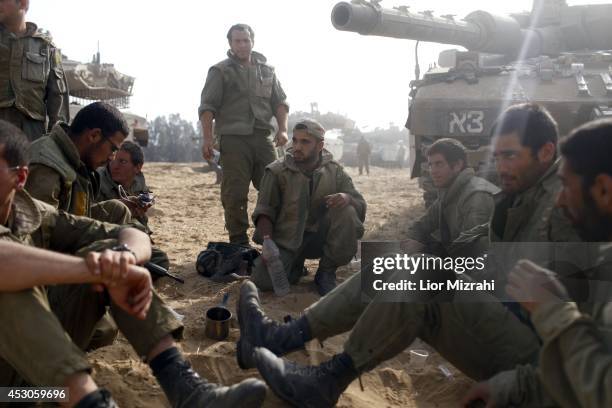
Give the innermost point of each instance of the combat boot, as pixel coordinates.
(185, 389)
(306, 386)
(258, 330)
(100, 398)
(325, 278)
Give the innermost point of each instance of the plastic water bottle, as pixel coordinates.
(271, 257)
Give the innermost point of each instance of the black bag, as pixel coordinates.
(225, 262)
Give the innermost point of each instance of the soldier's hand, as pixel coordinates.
(136, 209)
(111, 266)
(532, 285)
(134, 293)
(281, 138)
(479, 396)
(207, 149)
(339, 200)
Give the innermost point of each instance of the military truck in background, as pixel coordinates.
(555, 55)
(96, 81)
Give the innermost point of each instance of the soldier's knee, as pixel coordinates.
(113, 211)
(260, 276)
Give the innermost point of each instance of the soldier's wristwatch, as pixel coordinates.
(124, 248)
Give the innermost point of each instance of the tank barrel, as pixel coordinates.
(480, 31)
(370, 19)
(571, 28)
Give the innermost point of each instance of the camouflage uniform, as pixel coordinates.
(45, 329)
(450, 222)
(109, 189)
(303, 226)
(32, 82)
(475, 332)
(243, 100)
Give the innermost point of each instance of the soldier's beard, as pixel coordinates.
(307, 163)
(592, 225)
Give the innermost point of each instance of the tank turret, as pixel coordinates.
(555, 55)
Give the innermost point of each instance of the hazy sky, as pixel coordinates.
(169, 46)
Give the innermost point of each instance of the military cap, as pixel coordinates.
(312, 127)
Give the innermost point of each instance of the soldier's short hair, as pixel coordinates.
(587, 150)
(452, 150)
(15, 144)
(135, 152)
(99, 115)
(533, 124)
(240, 27)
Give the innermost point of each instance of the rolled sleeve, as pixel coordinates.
(551, 320)
(269, 198)
(212, 93)
(278, 97)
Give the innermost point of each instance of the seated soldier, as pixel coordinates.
(63, 175)
(475, 332)
(309, 207)
(125, 170)
(575, 363)
(63, 164)
(45, 328)
(465, 202)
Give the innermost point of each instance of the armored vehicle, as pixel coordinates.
(555, 55)
(96, 81)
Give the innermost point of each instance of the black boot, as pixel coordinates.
(325, 280)
(100, 398)
(306, 386)
(256, 329)
(185, 389)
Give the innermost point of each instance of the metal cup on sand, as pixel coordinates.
(218, 320)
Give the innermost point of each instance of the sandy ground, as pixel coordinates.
(187, 215)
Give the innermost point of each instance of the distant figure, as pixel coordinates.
(401, 154)
(242, 94)
(31, 74)
(363, 155)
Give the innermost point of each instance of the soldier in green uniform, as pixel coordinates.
(309, 207)
(32, 84)
(125, 172)
(63, 164)
(475, 332)
(242, 94)
(574, 365)
(45, 328)
(62, 174)
(465, 201)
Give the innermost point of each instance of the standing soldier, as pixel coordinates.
(242, 94)
(32, 83)
(363, 155)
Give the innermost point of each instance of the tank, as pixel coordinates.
(96, 81)
(555, 55)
